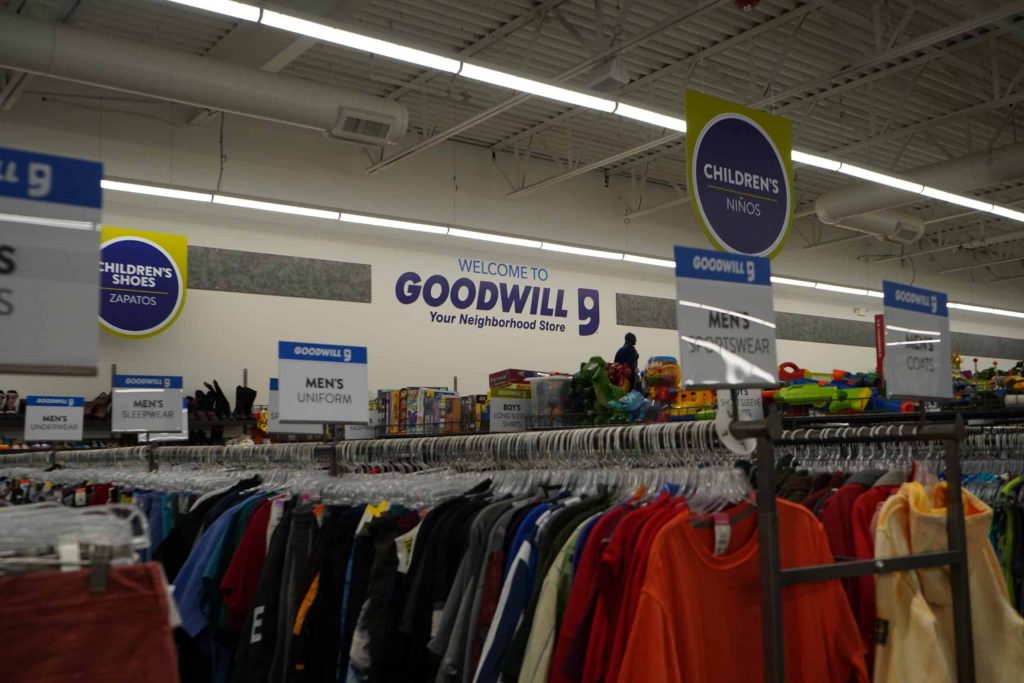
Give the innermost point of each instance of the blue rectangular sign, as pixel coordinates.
(147, 382)
(326, 353)
(47, 178)
(706, 264)
(59, 401)
(914, 299)
(273, 384)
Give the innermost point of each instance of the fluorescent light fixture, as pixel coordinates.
(723, 311)
(392, 223)
(779, 280)
(913, 342)
(271, 206)
(875, 294)
(51, 222)
(814, 160)
(841, 289)
(1009, 314)
(970, 307)
(358, 41)
(652, 117)
(491, 237)
(1008, 213)
(238, 10)
(896, 328)
(957, 199)
(528, 85)
(880, 178)
(155, 191)
(648, 261)
(581, 251)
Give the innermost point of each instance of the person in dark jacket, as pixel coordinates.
(628, 355)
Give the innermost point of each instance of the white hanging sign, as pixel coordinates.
(54, 418)
(274, 425)
(726, 320)
(917, 346)
(322, 383)
(147, 403)
(509, 410)
(161, 437)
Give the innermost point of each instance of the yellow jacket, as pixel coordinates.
(916, 606)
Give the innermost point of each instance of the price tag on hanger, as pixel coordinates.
(54, 418)
(274, 424)
(725, 319)
(147, 403)
(917, 348)
(322, 383)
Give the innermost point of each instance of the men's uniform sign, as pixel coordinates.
(274, 424)
(54, 418)
(740, 174)
(917, 348)
(143, 278)
(726, 320)
(147, 403)
(49, 207)
(322, 383)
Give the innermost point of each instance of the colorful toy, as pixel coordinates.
(620, 375)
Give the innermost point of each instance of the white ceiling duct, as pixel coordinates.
(890, 225)
(75, 55)
(984, 169)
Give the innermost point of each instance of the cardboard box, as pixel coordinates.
(504, 378)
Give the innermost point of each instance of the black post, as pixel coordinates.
(959, 582)
(770, 564)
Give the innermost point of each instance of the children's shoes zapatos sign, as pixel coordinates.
(322, 383)
(143, 277)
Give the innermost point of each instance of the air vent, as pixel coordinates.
(366, 128)
(905, 233)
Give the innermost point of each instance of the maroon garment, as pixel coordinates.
(836, 518)
(835, 481)
(100, 494)
(238, 587)
(53, 628)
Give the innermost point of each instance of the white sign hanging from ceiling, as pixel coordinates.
(917, 348)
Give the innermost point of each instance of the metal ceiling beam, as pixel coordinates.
(985, 264)
(680, 65)
(586, 168)
(480, 117)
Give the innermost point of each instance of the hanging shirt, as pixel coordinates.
(861, 518)
(699, 617)
(916, 606)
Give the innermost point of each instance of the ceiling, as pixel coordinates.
(890, 84)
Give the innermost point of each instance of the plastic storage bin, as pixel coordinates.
(550, 400)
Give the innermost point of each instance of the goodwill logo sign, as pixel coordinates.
(505, 296)
(740, 174)
(143, 278)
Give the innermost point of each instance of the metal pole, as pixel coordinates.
(959, 582)
(770, 564)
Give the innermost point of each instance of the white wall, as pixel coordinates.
(219, 333)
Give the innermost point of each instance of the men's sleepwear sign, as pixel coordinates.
(322, 383)
(143, 278)
(147, 403)
(740, 174)
(917, 348)
(164, 437)
(48, 247)
(274, 425)
(54, 418)
(725, 319)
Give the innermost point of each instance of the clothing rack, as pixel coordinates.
(768, 433)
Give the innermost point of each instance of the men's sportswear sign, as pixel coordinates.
(49, 207)
(917, 349)
(147, 403)
(739, 174)
(322, 383)
(143, 278)
(54, 418)
(726, 320)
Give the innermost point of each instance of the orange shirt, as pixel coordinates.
(699, 617)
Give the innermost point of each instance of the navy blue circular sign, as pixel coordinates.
(140, 287)
(741, 186)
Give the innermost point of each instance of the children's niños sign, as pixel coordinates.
(143, 277)
(740, 174)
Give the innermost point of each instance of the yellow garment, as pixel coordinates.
(918, 605)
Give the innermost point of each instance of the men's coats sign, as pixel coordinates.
(725, 319)
(917, 348)
(322, 383)
(54, 418)
(740, 174)
(147, 403)
(143, 278)
(48, 246)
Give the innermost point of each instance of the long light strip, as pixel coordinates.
(377, 221)
(49, 222)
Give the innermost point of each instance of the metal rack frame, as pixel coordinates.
(768, 433)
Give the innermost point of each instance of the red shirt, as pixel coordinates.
(864, 547)
(238, 587)
(835, 517)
